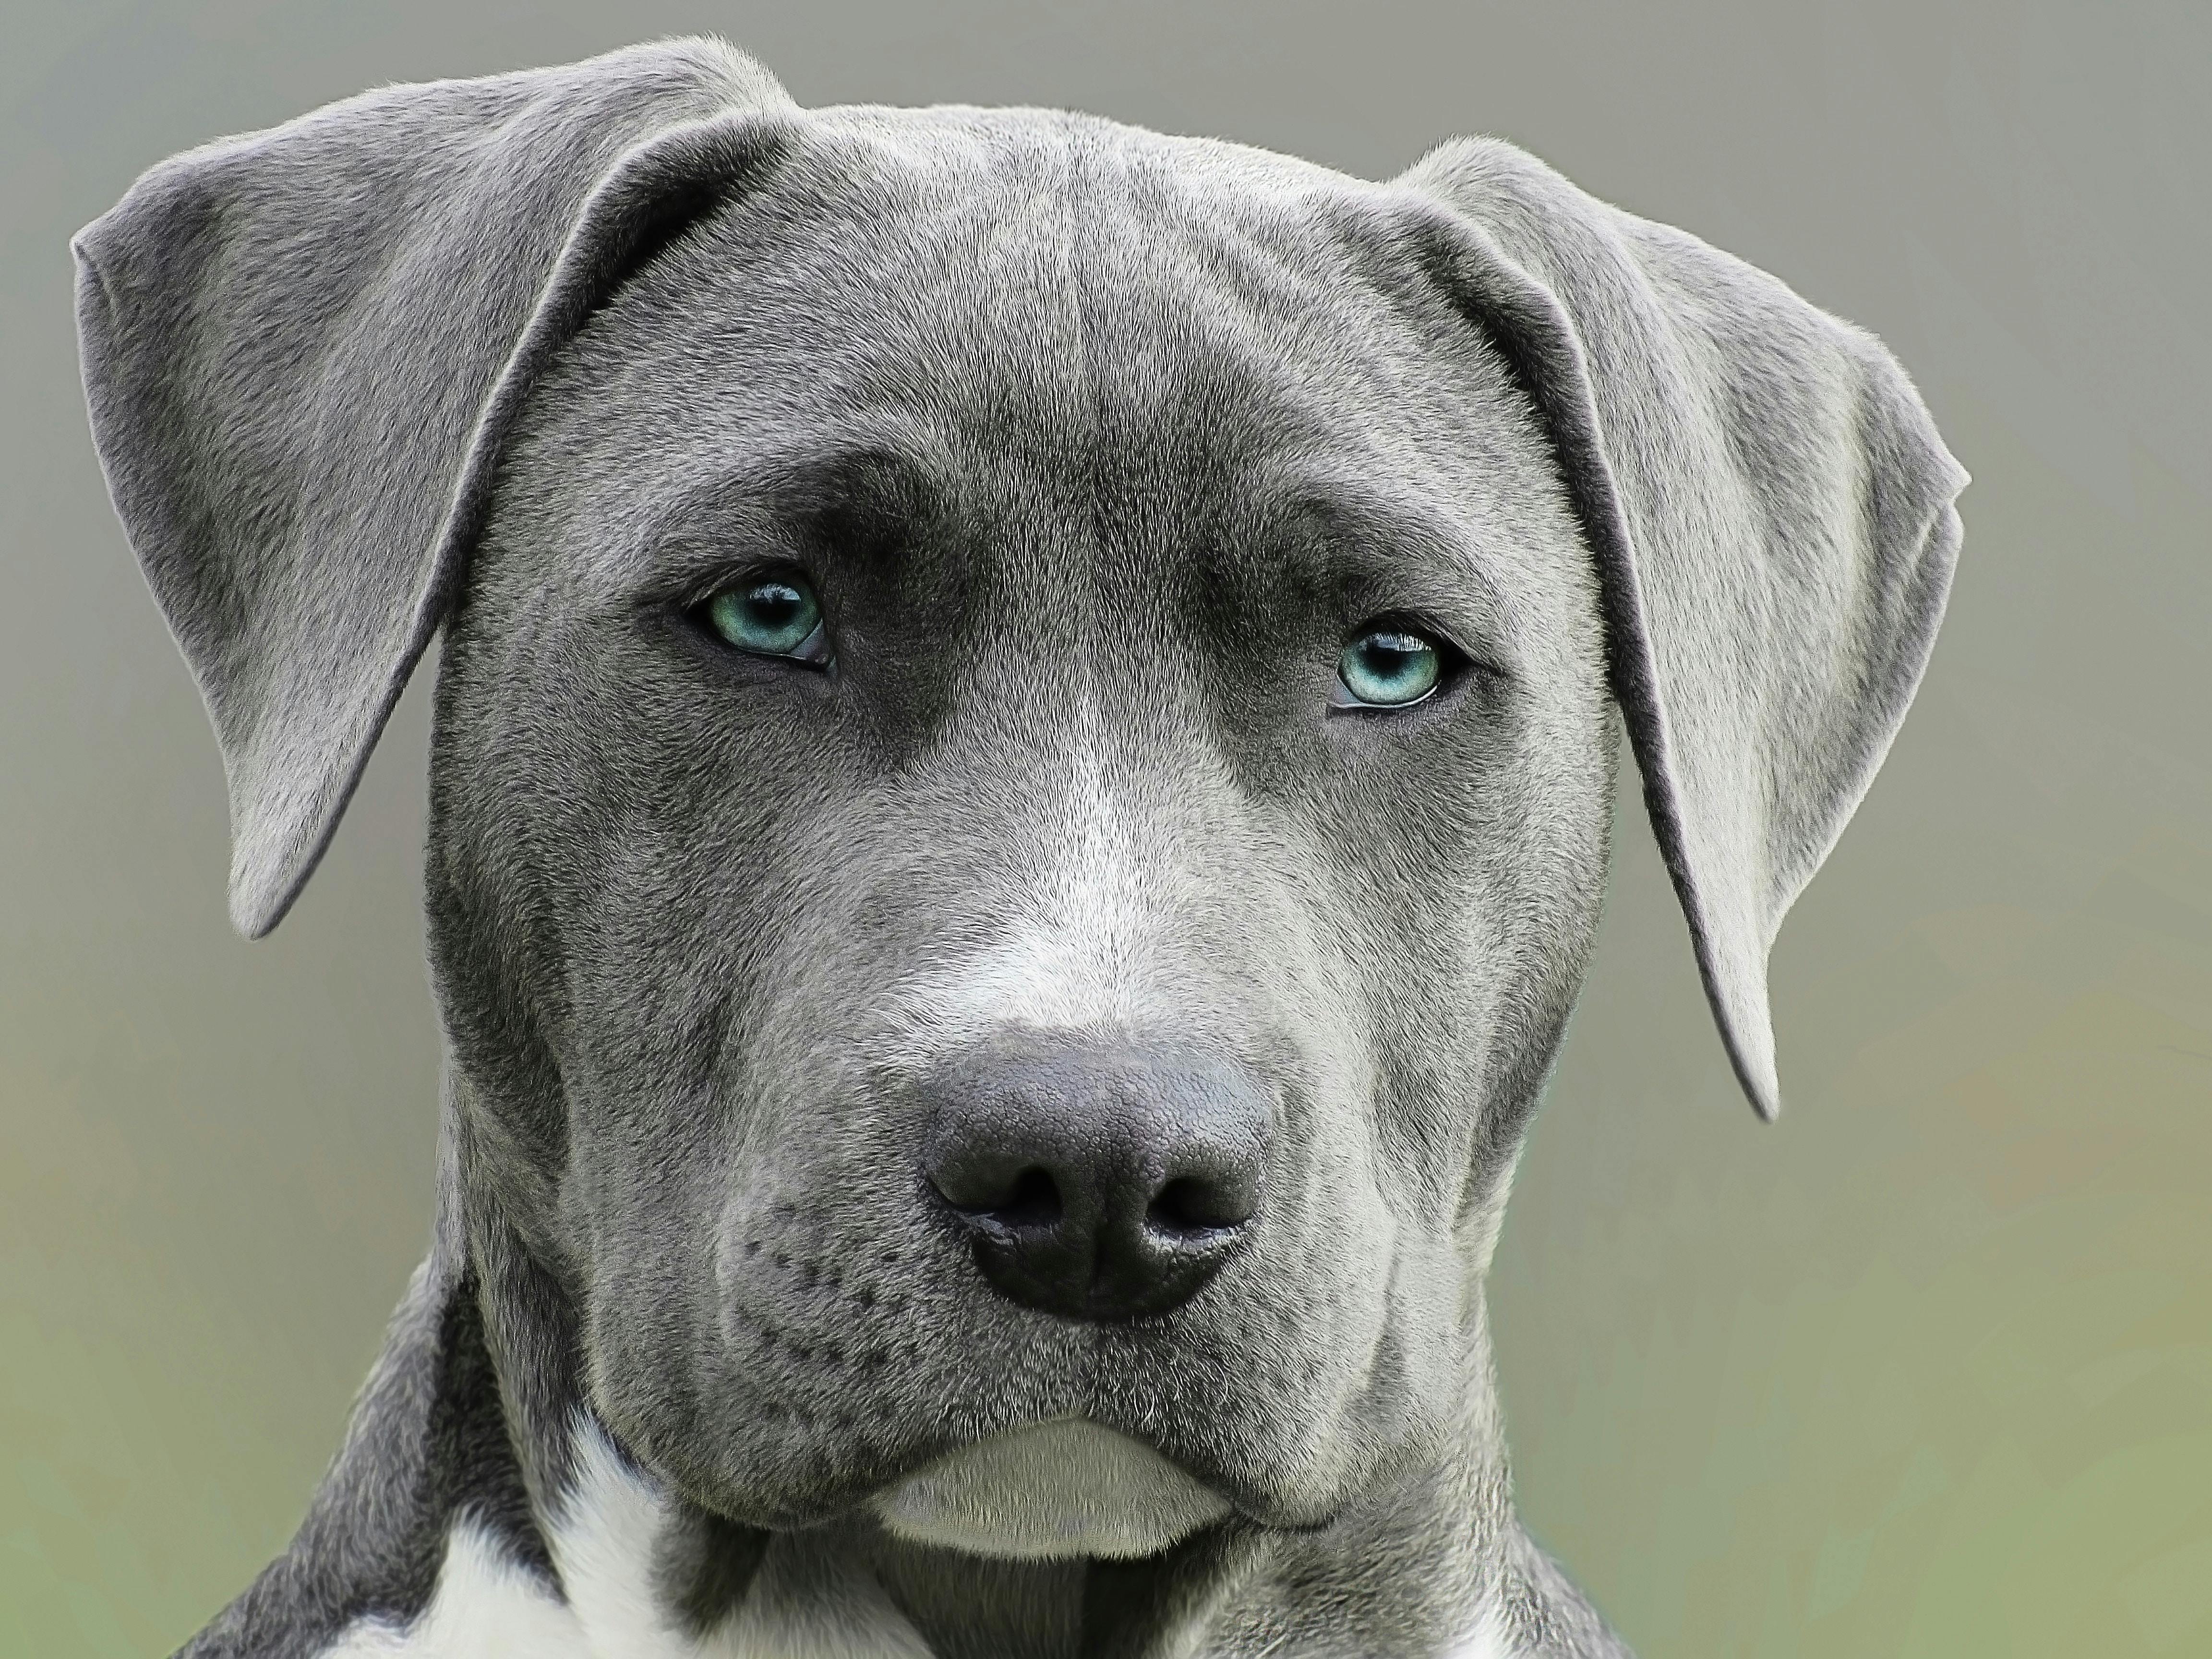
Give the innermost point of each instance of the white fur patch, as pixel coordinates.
(1081, 956)
(487, 1606)
(1049, 1492)
(602, 1543)
(1487, 1640)
(795, 1609)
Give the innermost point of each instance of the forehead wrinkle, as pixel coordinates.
(697, 523)
(1234, 335)
(924, 255)
(1069, 307)
(1390, 548)
(1080, 230)
(1274, 347)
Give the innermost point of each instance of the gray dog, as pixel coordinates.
(1023, 763)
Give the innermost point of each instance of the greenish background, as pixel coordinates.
(1924, 1370)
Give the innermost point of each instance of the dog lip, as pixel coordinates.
(924, 1452)
(1060, 1489)
(1247, 1504)
(1242, 1503)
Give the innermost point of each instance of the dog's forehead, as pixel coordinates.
(1028, 306)
(1002, 263)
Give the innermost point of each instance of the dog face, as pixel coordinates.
(1025, 742)
(1092, 503)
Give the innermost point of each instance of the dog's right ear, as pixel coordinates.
(302, 348)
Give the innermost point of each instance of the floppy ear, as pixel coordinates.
(301, 349)
(1771, 513)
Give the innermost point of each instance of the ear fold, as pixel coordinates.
(1771, 513)
(301, 349)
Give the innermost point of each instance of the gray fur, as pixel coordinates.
(1098, 443)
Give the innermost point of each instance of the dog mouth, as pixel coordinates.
(1051, 1491)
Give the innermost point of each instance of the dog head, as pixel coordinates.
(1025, 732)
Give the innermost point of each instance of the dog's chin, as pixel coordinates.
(1050, 1491)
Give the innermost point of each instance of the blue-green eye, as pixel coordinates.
(1387, 668)
(774, 616)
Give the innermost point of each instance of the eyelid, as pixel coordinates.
(1459, 658)
(700, 589)
(1340, 699)
(1405, 622)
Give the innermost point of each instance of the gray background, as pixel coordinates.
(1924, 1370)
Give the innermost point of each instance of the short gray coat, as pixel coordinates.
(1097, 443)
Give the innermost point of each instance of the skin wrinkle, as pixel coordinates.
(1096, 445)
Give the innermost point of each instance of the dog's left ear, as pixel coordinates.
(1771, 513)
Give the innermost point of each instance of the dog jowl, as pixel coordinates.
(1023, 748)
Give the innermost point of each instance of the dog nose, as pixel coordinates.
(1097, 1183)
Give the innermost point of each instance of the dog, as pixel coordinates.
(1023, 750)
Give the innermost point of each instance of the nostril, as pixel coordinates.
(1034, 1201)
(1025, 1196)
(1189, 1206)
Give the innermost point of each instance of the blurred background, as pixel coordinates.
(1925, 1369)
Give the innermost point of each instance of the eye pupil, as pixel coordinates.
(772, 606)
(1389, 667)
(776, 617)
